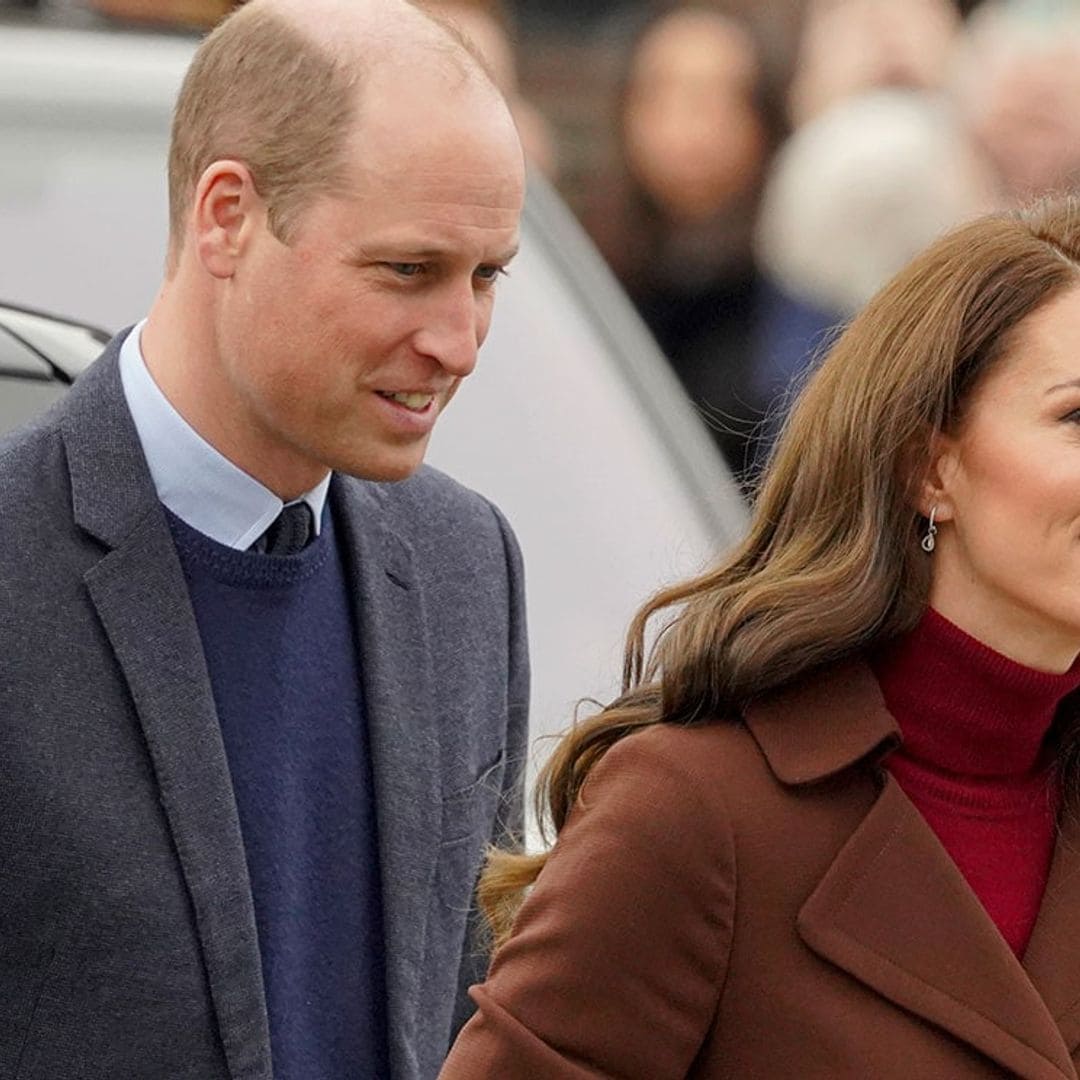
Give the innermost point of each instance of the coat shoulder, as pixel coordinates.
(439, 502)
(446, 522)
(699, 759)
(715, 776)
(34, 479)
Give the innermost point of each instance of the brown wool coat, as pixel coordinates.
(761, 900)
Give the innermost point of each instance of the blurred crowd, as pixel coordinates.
(754, 169)
(771, 164)
(760, 189)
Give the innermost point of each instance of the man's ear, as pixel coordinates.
(227, 208)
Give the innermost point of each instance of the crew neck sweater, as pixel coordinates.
(972, 761)
(280, 646)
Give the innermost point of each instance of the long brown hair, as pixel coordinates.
(831, 563)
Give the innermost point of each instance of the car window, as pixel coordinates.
(66, 345)
(19, 362)
(27, 385)
(20, 399)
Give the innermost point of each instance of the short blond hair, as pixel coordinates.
(262, 91)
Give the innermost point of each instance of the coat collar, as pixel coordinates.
(894, 911)
(841, 719)
(111, 489)
(1052, 960)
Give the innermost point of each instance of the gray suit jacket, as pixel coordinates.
(127, 935)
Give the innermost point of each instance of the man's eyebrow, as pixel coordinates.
(404, 253)
(419, 254)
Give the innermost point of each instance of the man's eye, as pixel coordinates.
(490, 273)
(406, 269)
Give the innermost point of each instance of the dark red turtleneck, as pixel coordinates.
(973, 724)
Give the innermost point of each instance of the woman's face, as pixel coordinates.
(1006, 566)
(693, 136)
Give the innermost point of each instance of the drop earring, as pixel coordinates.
(928, 541)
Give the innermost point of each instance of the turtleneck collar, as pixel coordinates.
(963, 707)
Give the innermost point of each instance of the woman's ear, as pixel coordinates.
(933, 491)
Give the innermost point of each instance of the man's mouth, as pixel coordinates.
(412, 402)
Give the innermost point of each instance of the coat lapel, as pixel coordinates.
(1052, 959)
(140, 596)
(894, 911)
(403, 731)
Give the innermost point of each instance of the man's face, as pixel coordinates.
(341, 348)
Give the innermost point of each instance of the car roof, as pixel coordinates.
(47, 345)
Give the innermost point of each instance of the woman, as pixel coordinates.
(830, 829)
(695, 126)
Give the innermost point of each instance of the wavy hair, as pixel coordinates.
(831, 563)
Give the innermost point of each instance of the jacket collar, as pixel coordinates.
(841, 720)
(111, 488)
(403, 726)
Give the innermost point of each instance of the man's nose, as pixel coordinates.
(453, 331)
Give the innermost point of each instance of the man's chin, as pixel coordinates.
(384, 470)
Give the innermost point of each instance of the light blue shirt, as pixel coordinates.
(201, 486)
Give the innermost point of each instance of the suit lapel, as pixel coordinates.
(895, 912)
(403, 731)
(140, 596)
(1052, 959)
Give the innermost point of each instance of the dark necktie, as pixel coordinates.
(288, 533)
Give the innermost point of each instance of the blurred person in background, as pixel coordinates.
(847, 47)
(878, 165)
(695, 129)
(487, 24)
(1018, 88)
(183, 13)
(853, 195)
(831, 829)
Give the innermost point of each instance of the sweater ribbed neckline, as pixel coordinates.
(965, 709)
(250, 569)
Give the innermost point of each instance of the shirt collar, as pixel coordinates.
(195, 481)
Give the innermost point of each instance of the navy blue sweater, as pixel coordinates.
(280, 645)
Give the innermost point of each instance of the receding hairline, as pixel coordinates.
(370, 34)
(348, 45)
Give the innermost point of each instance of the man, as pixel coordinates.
(262, 678)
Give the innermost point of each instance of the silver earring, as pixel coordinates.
(928, 541)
